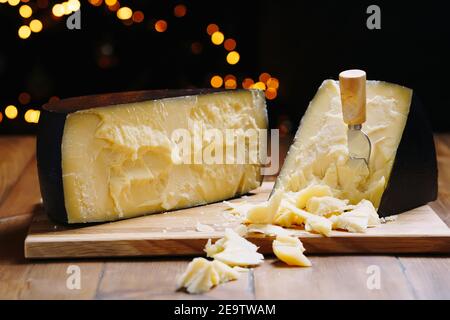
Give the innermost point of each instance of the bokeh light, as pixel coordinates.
(24, 32)
(233, 57)
(217, 38)
(124, 13)
(263, 77)
(180, 10)
(32, 116)
(36, 25)
(259, 85)
(13, 2)
(247, 83)
(58, 10)
(230, 44)
(24, 98)
(138, 16)
(212, 27)
(230, 83)
(273, 83)
(216, 81)
(271, 93)
(11, 112)
(96, 3)
(25, 11)
(161, 25)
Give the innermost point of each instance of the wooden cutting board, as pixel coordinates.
(176, 233)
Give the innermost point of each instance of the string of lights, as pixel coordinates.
(33, 14)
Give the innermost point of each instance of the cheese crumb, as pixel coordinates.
(201, 275)
(290, 250)
(359, 219)
(234, 250)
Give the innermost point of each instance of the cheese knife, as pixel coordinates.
(353, 97)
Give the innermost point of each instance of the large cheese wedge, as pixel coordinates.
(111, 157)
(403, 172)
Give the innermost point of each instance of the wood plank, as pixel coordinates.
(16, 152)
(429, 276)
(24, 195)
(48, 281)
(174, 233)
(156, 279)
(333, 277)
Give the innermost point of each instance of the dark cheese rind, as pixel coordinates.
(413, 181)
(48, 153)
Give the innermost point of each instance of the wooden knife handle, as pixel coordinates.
(353, 96)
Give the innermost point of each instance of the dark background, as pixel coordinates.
(301, 43)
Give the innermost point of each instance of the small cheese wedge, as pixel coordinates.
(326, 206)
(313, 223)
(234, 250)
(290, 250)
(265, 212)
(358, 219)
(201, 275)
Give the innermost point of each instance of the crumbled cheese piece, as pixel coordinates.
(326, 206)
(301, 197)
(269, 230)
(264, 212)
(312, 222)
(290, 250)
(201, 275)
(234, 250)
(204, 227)
(359, 219)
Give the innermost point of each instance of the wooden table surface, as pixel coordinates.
(331, 277)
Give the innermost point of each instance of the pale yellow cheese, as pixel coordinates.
(124, 161)
(301, 197)
(358, 219)
(264, 212)
(290, 250)
(319, 154)
(234, 250)
(201, 275)
(312, 222)
(326, 206)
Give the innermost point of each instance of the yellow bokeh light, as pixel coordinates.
(25, 11)
(36, 25)
(258, 85)
(73, 5)
(124, 13)
(233, 57)
(32, 116)
(3, 1)
(217, 38)
(24, 32)
(110, 3)
(216, 81)
(11, 112)
(230, 84)
(58, 10)
(13, 2)
(273, 83)
(161, 25)
(271, 93)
